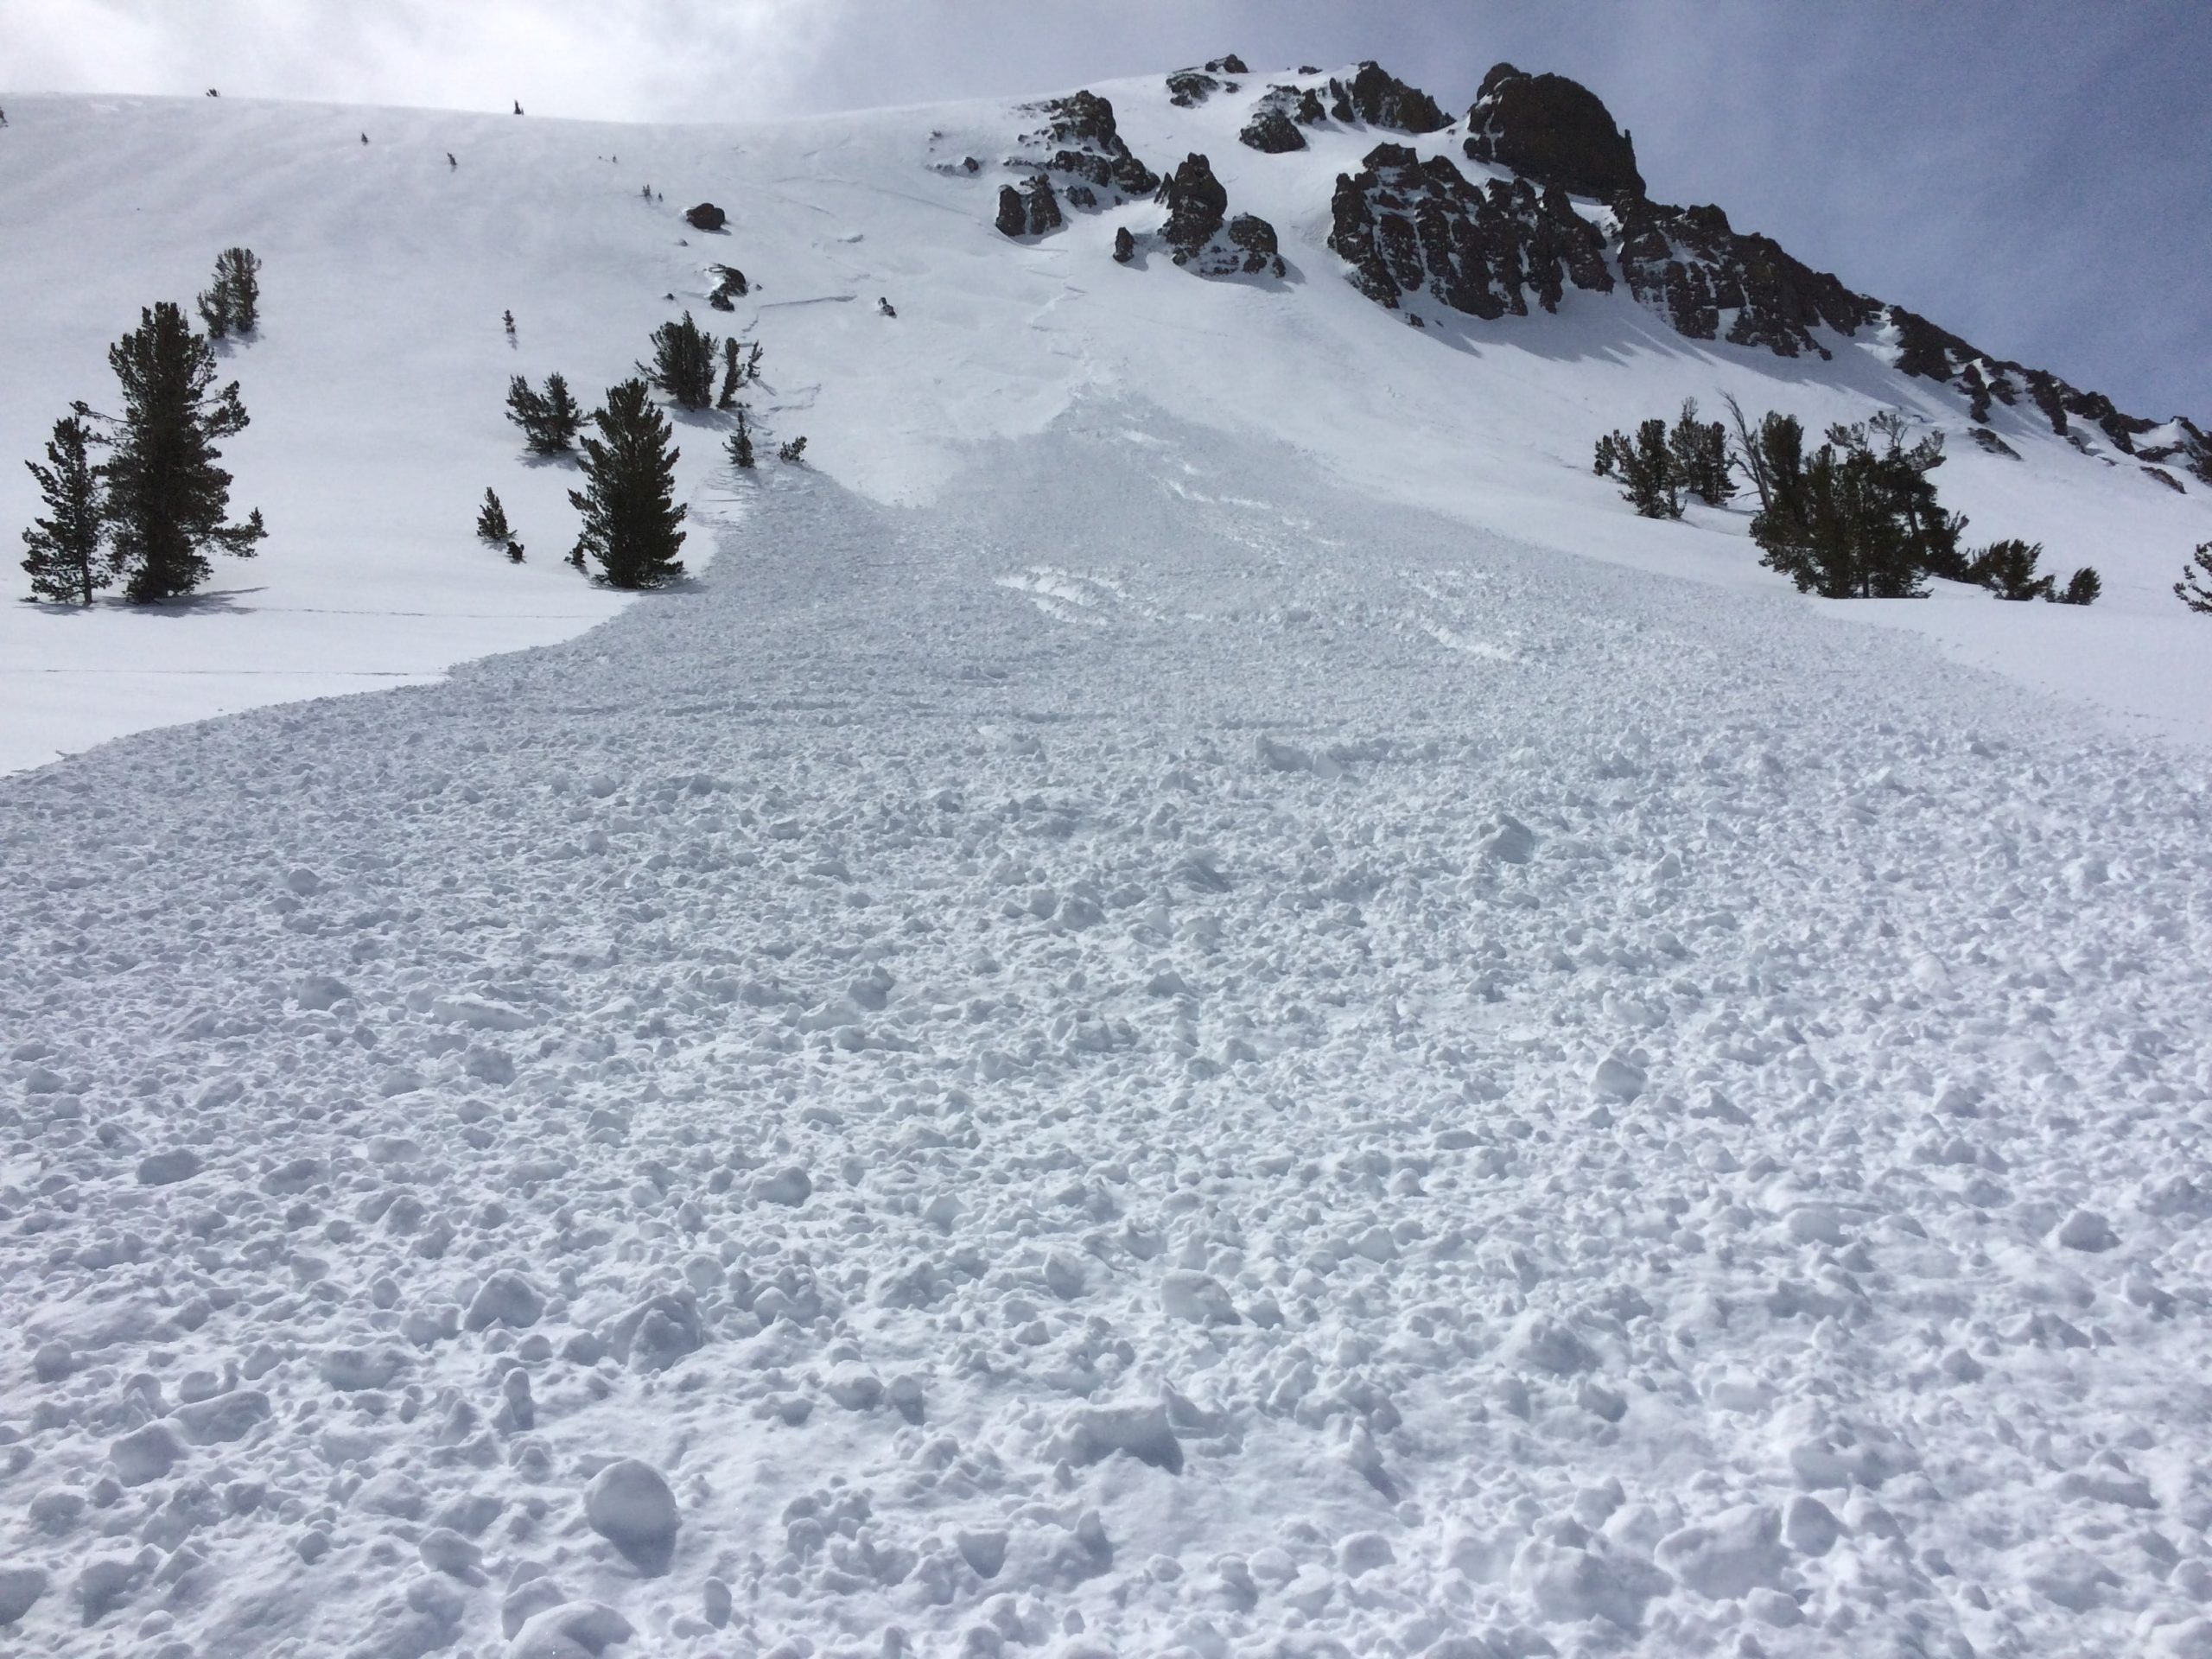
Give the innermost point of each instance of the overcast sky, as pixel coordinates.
(2034, 175)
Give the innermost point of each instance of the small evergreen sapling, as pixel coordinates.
(628, 502)
(549, 419)
(2007, 568)
(63, 551)
(794, 451)
(166, 498)
(232, 304)
(1643, 468)
(2084, 587)
(2194, 588)
(740, 443)
(1699, 451)
(492, 527)
(733, 374)
(684, 363)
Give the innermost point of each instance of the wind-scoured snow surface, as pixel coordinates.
(1109, 1038)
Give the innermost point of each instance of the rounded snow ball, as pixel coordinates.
(630, 1505)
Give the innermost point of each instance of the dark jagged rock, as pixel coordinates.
(1201, 235)
(1274, 125)
(731, 288)
(1687, 264)
(1992, 444)
(1080, 140)
(1405, 225)
(1271, 132)
(1381, 99)
(2161, 475)
(1254, 239)
(1030, 210)
(1229, 65)
(705, 217)
(1935, 354)
(1197, 204)
(1553, 130)
(1188, 88)
(1125, 245)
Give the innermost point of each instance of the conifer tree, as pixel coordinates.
(684, 363)
(733, 374)
(740, 443)
(1699, 451)
(794, 451)
(630, 512)
(232, 305)
(166, 498)
(492, 527)
(2194, 588)
(63, 551)
(1644, 469)
(2007, 568)
(2084, 587)
(549, 419)
(1748, 458)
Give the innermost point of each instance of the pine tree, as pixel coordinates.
(492, 527)
(628, 500)
(1643, 468)
(2084, 587)
(794, 451)
(2194, 588)
(1748, 458)
(684, 363)
(514, 551)
(549, 419)
(232, 305)
(2007, 568)
(167, 498)
(733, 374)
(562, 415)
(1699, 451)
(63, 551)
(740, 443)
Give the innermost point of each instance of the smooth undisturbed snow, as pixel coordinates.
(1127, 1046)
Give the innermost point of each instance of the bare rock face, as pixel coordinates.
(1030, 210)
(1200, 234)
(1553, 131)
(1406, 225)
(705, 217)
(1274, 128)
(1125, 245)
(1080, 142)
(1381, 99)
(1687, 264)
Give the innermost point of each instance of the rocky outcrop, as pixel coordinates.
(1689, 265)
(1080, 142)
(1031, 209)
(1200, 235)
(1553, 131)
(1274, 128)
(730, 288)
(1407, 225)
(1188, 88)
(1125, 245)
(705, 217)
(1381, 99)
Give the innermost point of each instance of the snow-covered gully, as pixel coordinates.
(1145, 1059)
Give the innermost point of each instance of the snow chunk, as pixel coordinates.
(1139, 1428)
(506, 1298)
(1188, 1295)
(166, 1168)
(2085, 1230)
(1735, 1553)
(630, 1505)
(145, 1453)
(574, 1630)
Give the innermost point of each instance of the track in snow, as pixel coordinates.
(1167, 1101)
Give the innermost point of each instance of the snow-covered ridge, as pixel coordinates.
(375, 384)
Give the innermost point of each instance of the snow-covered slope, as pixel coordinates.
(376, 387)
(1194, 1001)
